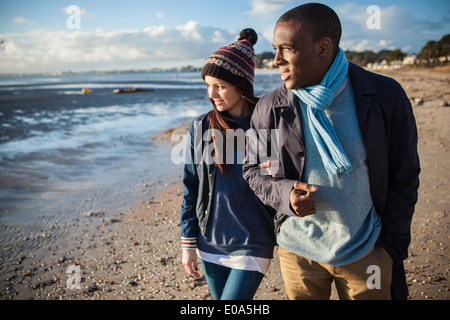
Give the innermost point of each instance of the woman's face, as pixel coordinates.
(226, 97)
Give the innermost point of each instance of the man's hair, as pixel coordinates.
(318, 19)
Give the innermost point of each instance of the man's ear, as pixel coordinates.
(325, 47)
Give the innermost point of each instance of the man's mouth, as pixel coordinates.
(285, 75)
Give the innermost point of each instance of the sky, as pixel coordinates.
(48, 36)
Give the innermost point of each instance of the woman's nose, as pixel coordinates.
(212, 92)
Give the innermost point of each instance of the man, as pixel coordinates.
(347, 178)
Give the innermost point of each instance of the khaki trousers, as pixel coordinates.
(366, 279)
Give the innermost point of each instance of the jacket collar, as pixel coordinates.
(361, 82)
(285, 98)
(291, 114)
(363, 88)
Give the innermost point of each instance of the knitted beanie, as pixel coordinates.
(235, 63)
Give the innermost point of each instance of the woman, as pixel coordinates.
(222, 220)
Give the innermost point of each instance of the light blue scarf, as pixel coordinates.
(317, 98)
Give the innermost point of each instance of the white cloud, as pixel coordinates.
(152, 13)
(190, 31)
(399, 29)
(218, 37)
(83, 12)
(266, 13)
(23, 20)
(155, 46)
(264, 7)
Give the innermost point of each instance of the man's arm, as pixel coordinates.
(286, 196)
(404, 169)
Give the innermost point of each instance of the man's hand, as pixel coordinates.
(301, 199)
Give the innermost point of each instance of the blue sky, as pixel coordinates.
(138, 34)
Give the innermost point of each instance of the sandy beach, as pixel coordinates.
(135, 254)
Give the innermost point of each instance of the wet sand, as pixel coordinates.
(135, 254)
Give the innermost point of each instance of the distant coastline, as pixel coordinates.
(96, 72)
(160, 70)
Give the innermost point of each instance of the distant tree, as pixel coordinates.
(429, 52)
(443, 47)
(383, 55)
(362, 58)
(433, 50)
(263, 56)
(395, 55)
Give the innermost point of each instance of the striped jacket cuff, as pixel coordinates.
(188, 243)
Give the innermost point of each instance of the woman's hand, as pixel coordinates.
(271, 166)
(190, 262)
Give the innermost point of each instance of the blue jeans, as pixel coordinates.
(231, 284)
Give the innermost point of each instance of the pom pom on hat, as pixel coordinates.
(248, 34)
(235, 63)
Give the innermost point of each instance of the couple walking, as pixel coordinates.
(342, 195)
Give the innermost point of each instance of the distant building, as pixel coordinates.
(397, 64)
(268, 63)
(410, 59)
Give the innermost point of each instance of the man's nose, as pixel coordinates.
(278, 60)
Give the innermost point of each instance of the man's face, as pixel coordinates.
(296, 55)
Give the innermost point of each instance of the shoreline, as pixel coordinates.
(136, 254)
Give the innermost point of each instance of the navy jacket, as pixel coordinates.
(198, 181)
(199, 178)
(389, 133)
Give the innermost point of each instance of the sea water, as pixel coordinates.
(64, 153)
